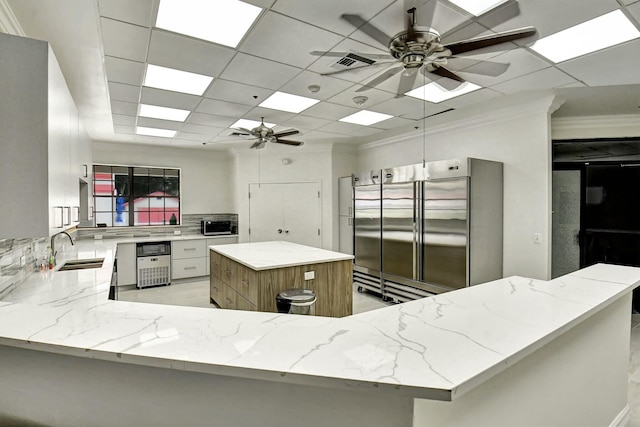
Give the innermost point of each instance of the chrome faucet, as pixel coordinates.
(53, 251)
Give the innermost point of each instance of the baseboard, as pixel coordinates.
(622, 418)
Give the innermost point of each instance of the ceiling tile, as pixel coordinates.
(283, 39)
(124, 40)
(326, 110)
(520, 62)
(125, 108)
(222, 108)
(543, 79)
(188, 54)
(139, 12)
(470, 98)
(201, 129)
(192, 136)
(211, 120)
(300, 121)
(158, 123)
(318, 136)
(123, 70)
(409, 108)
(329, 86)
(124, 92)
(166, 98)
(395, 122)
(343, 128)
(126, 129)
(270, 116)
(623, 98)
(374, 96)
(326, 14)
(226, 90)
(617, 65)
(119, 119)
(256, 71)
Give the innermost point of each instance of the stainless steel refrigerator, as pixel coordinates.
(440, 228)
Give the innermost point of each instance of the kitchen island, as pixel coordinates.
(248, 276)
(511, 352)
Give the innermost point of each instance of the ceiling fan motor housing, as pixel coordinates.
(413, 46)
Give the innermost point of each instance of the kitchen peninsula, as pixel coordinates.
(511, 352)
(248, 276)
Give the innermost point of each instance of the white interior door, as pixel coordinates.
(265, 213)
(289, 212)
(301, 206)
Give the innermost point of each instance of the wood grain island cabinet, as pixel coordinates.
(248, 276)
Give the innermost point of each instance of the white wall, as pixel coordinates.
(206, 176)
(622, 126)
(514, 130)
(309, 163)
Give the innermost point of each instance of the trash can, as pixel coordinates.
(296, 301)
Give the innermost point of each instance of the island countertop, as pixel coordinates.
(278, 254)
(433, 348)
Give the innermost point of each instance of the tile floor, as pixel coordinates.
(196, 294)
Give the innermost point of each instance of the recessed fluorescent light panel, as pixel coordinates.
(220, 21)
(176, 80)
(249, 124)
(164, 113)
(590, 36)
(365, 118)
(435, 93)
(165, 133)
(288, 102)
(477, 7)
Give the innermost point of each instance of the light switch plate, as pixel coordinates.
(309, 275)
(177, 232)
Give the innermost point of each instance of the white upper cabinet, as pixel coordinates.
(39, 138)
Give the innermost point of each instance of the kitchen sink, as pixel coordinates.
(82, 264)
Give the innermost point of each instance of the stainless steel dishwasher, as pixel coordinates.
(154, 264)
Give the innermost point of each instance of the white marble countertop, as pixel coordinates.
(268, 255)
(435, 348)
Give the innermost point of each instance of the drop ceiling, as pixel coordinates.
(103, 46)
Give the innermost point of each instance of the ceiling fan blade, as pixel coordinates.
(381, 78)
(289, 142)
(287, 132)
(241, 131)
(489, 40)
(450, 81)
(257, 144)
(367, 28)
(329, 73)
(489, 19)
(343, 54)
(407, 79)
(476, 66)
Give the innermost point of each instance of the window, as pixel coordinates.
(135, 196)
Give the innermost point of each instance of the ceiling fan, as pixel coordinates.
(266, 134)
(421, 48)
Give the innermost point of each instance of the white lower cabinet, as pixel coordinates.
(188, 258)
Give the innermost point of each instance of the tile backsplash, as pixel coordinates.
(190, 225)
(18, 258)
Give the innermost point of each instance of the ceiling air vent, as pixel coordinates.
(352, 60)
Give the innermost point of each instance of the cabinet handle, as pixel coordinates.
(67, 215)
(58, 214)
(189, 268)
(350, 210)
(189, 249)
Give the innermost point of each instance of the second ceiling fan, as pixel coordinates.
(264, 134)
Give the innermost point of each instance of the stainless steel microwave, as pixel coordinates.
(215, 228)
